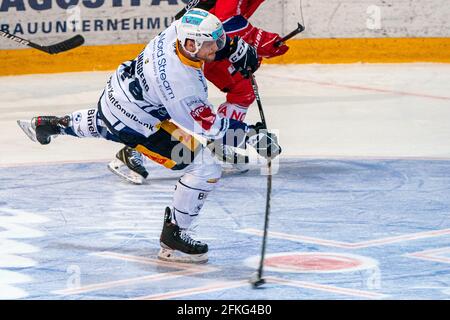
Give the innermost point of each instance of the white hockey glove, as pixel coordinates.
(256, 136)
(265, 142)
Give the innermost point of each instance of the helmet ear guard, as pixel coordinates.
(197, 47)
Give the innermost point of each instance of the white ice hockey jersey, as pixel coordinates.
(161, 84)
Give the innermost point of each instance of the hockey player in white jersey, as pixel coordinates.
(151, 103)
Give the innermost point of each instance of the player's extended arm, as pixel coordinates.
(262, 40)
(198, 116)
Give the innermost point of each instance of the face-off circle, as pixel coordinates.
(313, 262)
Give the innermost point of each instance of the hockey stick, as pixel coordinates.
(62, 46)
(257, 279)
(205, 5)
(300, 29)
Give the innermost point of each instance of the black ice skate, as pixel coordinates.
(41, 129)
(178, 246)
(129, 165)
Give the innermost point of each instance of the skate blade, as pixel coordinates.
(178, 256)
(120, 169)
(28, 129)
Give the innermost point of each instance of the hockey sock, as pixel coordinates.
(190, 195)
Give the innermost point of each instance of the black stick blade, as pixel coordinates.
(65, 45)
(256, 281)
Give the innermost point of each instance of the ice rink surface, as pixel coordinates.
(360, 203)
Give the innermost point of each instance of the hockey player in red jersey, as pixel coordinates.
(234, 15)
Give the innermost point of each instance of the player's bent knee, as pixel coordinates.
(204, 179)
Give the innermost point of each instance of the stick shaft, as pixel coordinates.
(269, 182)
(258, 100)
(266, 219)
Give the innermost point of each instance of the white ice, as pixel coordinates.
(320, 111)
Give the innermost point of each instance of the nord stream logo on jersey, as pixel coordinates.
(102, 21)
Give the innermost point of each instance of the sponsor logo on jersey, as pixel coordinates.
(223, 110)
(160, 160)
(204, 116)
(115, 103)
(77, 118)
(192, 102)
(162, 63)
(235, 114)
(258, 38)
(91, 122)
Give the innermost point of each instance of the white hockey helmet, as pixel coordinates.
(200, 26)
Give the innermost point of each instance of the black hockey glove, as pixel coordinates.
(265, 142)
(243, 57)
